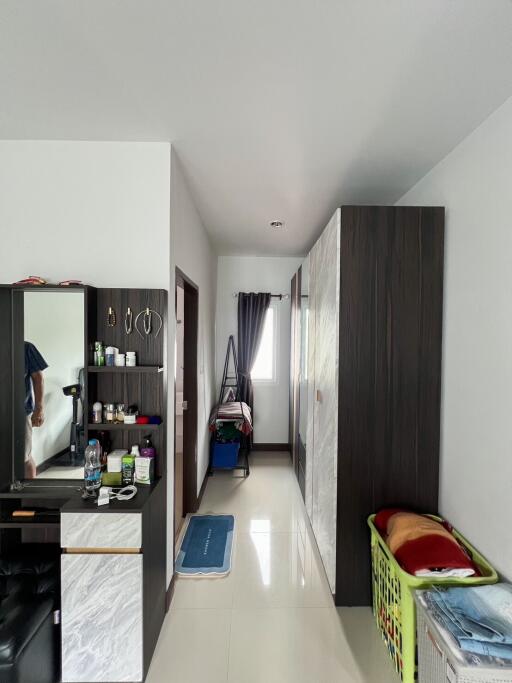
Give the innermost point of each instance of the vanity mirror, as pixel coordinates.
(49, 383)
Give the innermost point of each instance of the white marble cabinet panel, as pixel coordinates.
(101, 617)
(325, 281)
(310, 454)
(101, 530)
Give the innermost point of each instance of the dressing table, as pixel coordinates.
(113, 557)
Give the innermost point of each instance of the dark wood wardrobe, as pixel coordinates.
(372, 402)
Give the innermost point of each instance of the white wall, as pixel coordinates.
(474, 182)
(54, 323)
(85, 210)
(193, 253)
(95, 211)
(258, 274)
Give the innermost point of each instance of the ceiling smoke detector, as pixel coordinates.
(276, 224)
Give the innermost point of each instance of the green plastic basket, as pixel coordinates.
(393, 603)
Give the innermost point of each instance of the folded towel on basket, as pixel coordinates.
(422, 546)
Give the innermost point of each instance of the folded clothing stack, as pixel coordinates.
(478, 617)
(227, 432)
(424, 547)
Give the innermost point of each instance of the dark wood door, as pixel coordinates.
(190, 348)
(390, 376)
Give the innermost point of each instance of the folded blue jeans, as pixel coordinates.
(479, 617)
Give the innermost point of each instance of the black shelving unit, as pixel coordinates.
(29, 525)
(119, 426)
(143, 385)
(136, 370)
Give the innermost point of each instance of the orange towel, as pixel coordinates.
(407, 526)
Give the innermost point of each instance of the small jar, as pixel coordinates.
(109, 412)
(131, 359)
(97, 410)
(110, 357)
(119, 360)
(120, 408)
(130, 416)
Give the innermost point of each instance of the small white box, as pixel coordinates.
(114, 460)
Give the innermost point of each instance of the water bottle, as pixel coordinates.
(92, 468)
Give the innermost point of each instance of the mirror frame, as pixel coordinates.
(18, 389)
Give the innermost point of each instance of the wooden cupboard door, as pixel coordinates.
(101, 615)
(390, 375)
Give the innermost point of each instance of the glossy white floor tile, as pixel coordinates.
(272, 619)
(63, 472)
(193, 647)
(278, 570)
(303, 646)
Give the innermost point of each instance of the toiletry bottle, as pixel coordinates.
(147, 450)
(127, 468)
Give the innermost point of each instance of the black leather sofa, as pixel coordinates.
(29, 594)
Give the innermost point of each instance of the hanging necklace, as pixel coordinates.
(111, 317)
(128, 321)
(147, 322)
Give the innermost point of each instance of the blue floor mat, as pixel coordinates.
(206, 547)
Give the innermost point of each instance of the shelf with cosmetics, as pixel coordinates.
(132, 322)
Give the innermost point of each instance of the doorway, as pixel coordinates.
(185, 400)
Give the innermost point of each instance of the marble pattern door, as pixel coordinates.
(101, 530)
(310, 455)
(101, 618)
(325, 281)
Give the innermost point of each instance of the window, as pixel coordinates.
(264, 368)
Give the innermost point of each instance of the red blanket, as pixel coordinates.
(432, 550)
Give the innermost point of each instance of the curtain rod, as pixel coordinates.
(274, 296)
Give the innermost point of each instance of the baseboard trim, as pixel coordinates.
(169, 593)
(201, 491)
(270, 447)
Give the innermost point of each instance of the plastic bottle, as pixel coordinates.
(147, 450)
(92, 467)
(128, 467)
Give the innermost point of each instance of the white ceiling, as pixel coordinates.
(277, 108)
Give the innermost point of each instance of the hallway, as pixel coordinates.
(272, 620)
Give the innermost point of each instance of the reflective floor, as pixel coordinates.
(272, 619)
(57, 472)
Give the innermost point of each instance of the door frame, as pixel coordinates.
(190, 393)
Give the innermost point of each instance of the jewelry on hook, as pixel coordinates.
(111, 317)
(147, 322)
(128, 321)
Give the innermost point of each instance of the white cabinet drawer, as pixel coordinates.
(108, 530)
(101, 618)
